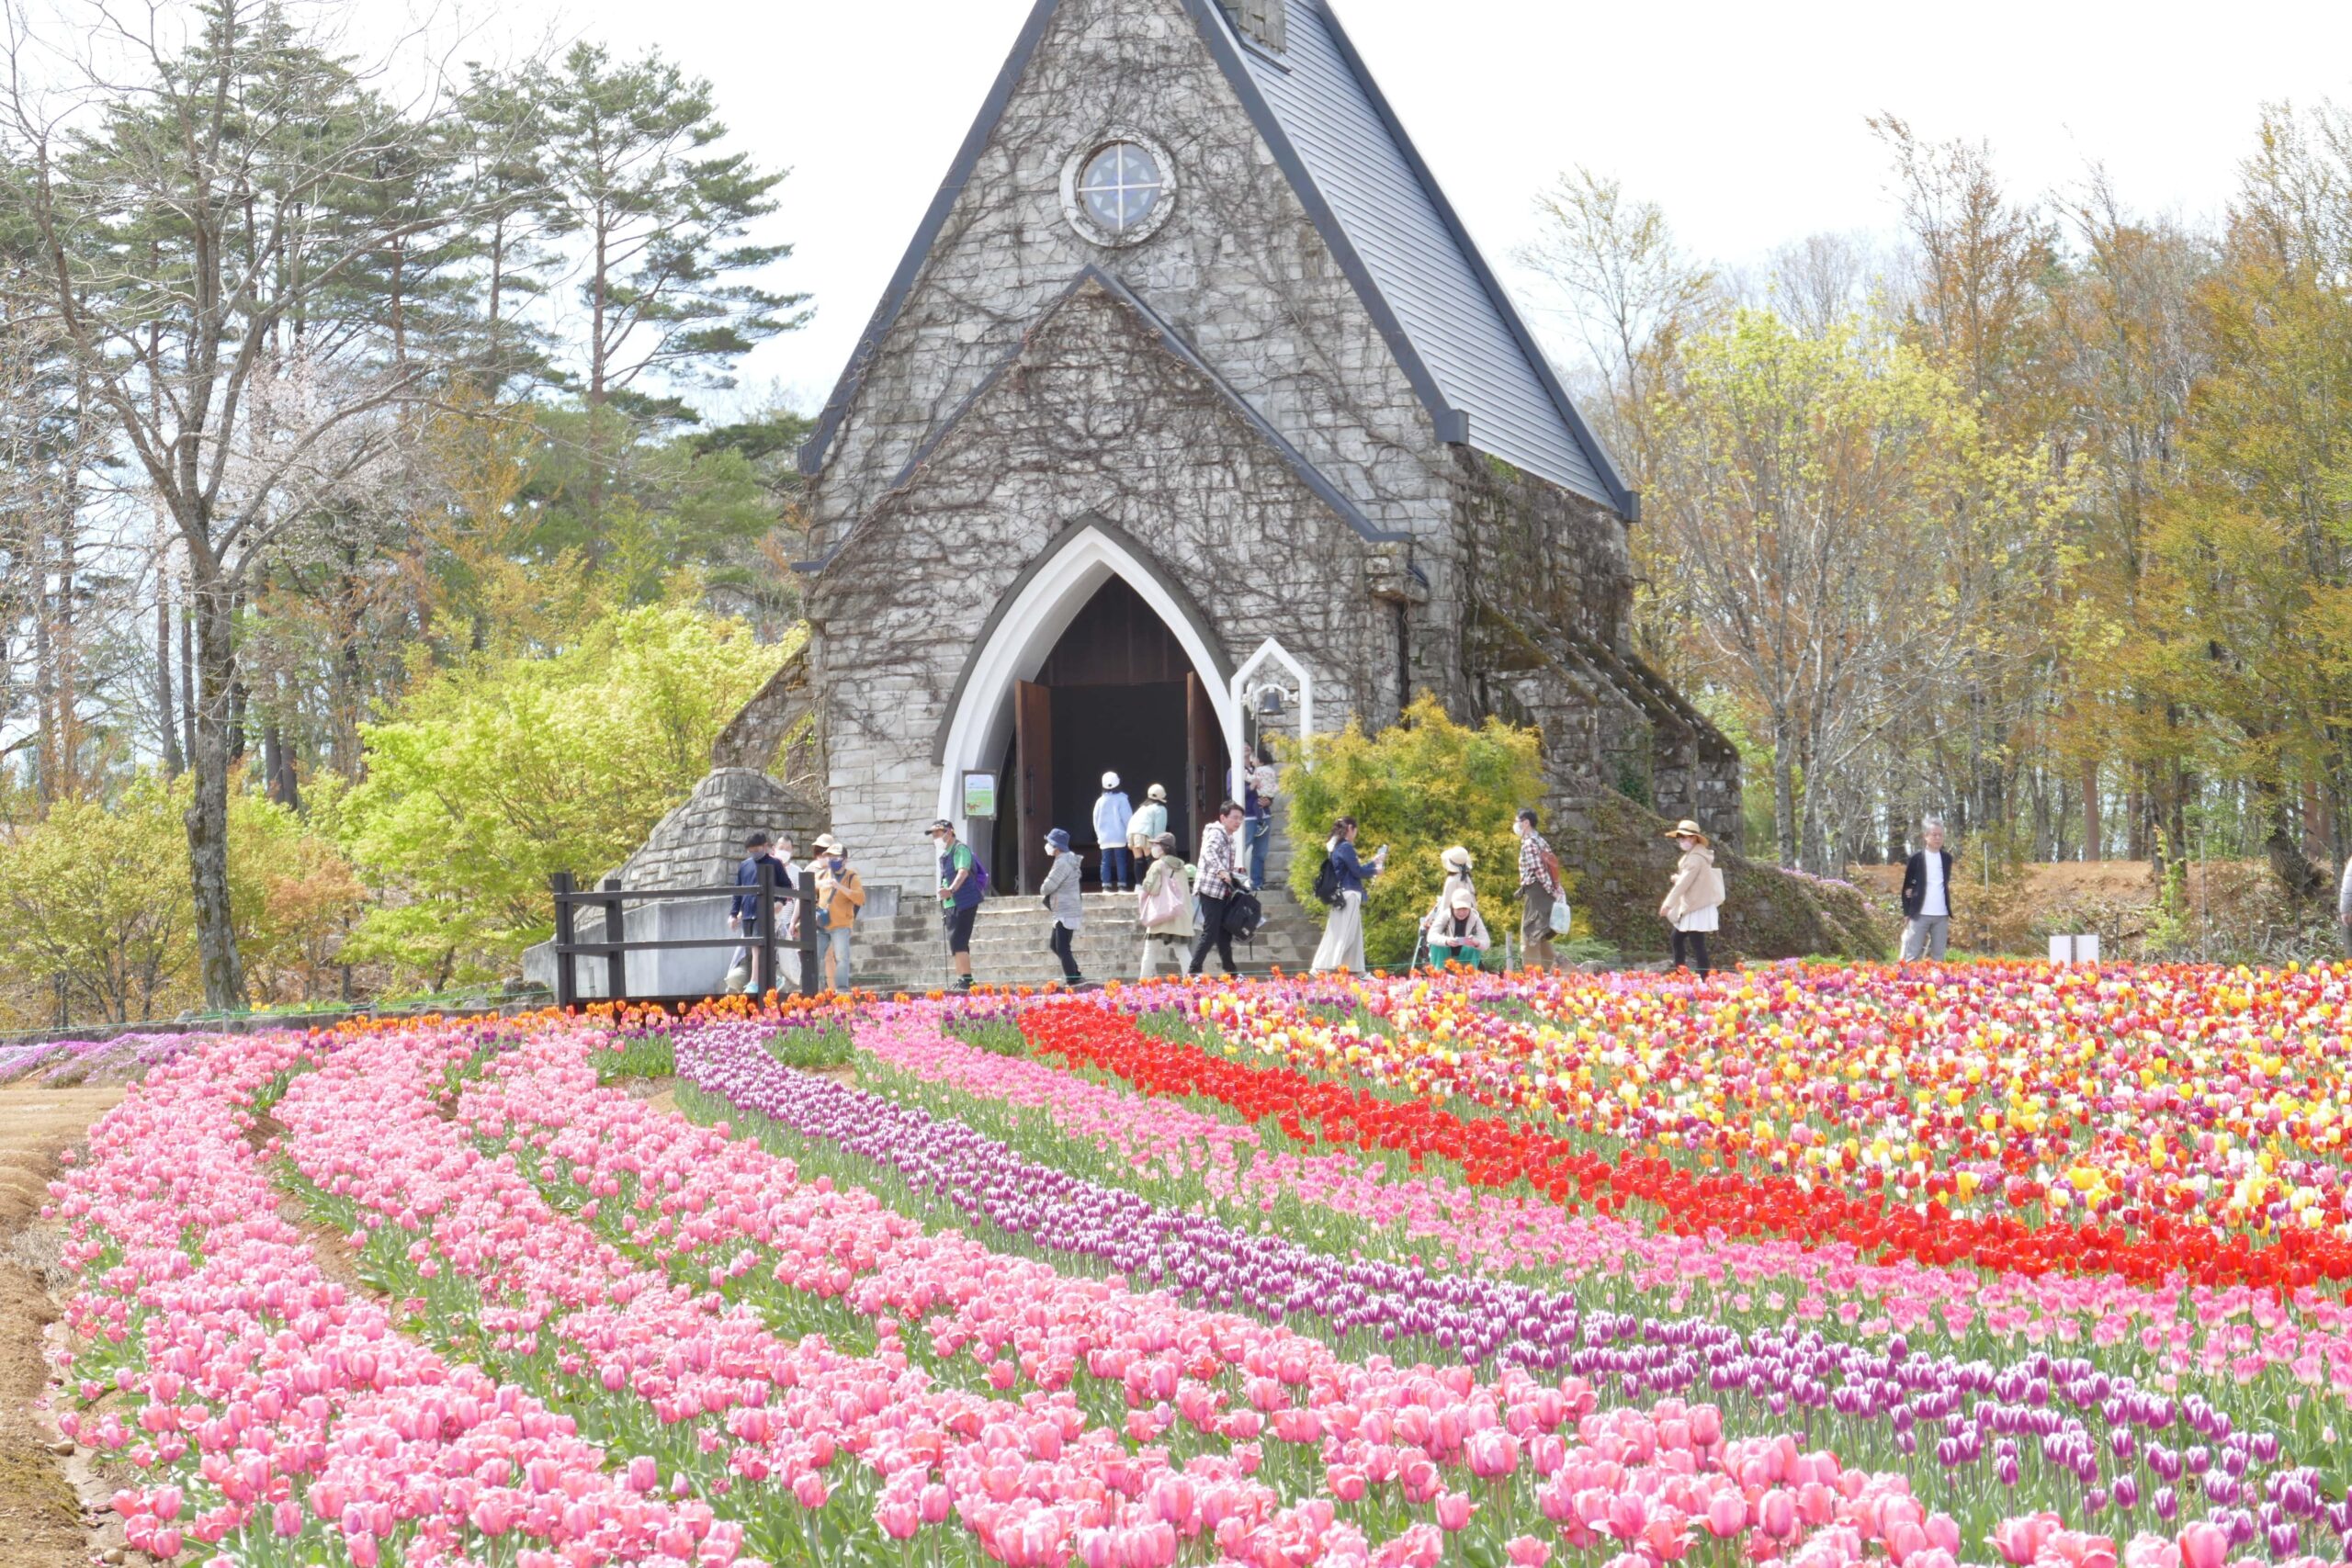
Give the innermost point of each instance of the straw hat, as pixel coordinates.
(1455, 859)
(1686, 829)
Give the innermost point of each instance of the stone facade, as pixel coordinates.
(1227, 414)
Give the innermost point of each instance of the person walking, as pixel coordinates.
(1458, 934)
(840, 895)
(1926, 897)
(1258, 807)
(1691, 903)
(1113, 812)
(1164, 907)
(1342, 944)
(1060, 894)
(1145, 826)
(1217, 874)
(1538, 888)
(744, 916)
(963, 883)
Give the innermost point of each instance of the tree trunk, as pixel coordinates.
(207, 811)
(188, 682)
(166, 710)
(1784, 791)
(2294, 868)
(2091, 831)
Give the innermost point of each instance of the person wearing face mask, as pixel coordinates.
(839, 896)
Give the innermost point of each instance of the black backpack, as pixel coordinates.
(1326, 883)
(1244, 914)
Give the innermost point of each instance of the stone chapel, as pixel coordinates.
(1193, 408)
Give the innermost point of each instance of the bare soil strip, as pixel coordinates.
(41, 1520)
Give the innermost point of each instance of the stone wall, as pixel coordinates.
(1097, 419)
(1549, 578)
(1238, 269)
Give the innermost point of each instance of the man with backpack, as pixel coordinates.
(1220, 874)
(963, 883)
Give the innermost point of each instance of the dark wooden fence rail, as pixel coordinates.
(614, 899)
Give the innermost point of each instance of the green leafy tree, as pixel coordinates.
(1419, 788)
(89, 924)
(663, 223)
(494, 775)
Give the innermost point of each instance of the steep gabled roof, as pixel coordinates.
(1340, 504)
(1452, 328)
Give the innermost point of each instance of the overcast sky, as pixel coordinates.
(1746, 122)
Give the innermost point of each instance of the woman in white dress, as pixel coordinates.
(1692, 904)
(1342, 945)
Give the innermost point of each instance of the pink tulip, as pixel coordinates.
(2204, 1545)
(1526, 1552)
(2020, 1540)
(1726, 1514)
(1776, 1513)
(1453, 1511)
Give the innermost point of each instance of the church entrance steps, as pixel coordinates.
(1009, 941)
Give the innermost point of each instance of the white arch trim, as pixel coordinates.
(1023, 637)
(1271, 651)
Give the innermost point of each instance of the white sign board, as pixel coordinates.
(2074, 949)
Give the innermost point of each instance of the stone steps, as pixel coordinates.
(907, 951)
(1009, 941)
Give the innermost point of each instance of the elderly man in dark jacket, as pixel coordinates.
(1926, 897)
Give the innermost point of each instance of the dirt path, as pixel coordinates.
(40, 1517)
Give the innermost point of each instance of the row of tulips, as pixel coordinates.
(2065, 1428)
(2133, 1122)
(2234, 1330)
(455, 1211)
(1383, 1442)
(276, 1417)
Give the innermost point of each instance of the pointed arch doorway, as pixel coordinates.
(1093, 661)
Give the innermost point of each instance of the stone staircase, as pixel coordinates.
(906, 951)
(1009, 941)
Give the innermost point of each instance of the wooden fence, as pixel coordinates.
(614, 899)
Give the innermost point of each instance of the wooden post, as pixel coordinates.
(567, 962)
(767, 925)
(615, 933)
(808, 976)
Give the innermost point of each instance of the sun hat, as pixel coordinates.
(1060, 839)
(1110, 781)
(1463, 903)
(1156, 792)
(826, 841)
(1455, 859)
(1686, 829)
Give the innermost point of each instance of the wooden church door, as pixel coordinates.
(1032, 731)
(1205, 754)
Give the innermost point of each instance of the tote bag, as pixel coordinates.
(1158, 909)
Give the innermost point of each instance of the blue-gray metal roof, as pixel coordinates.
(1447, 300)
(1453, 330)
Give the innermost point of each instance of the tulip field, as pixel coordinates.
(1806, 1265)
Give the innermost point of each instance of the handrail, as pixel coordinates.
(614, 899)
